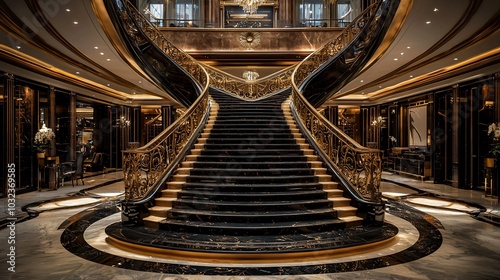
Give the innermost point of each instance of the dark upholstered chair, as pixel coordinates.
(73, 170)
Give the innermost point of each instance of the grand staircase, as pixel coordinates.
(251, 180)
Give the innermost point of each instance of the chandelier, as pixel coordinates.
(250, 6)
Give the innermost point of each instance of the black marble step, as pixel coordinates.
(255, 206)
(252, 127)
(254, 165)
(247, 140)
(250, 217)
(253, 152)
(251, 179)
(249, 145)
(245, 195)
(242, 115)
(254, 158)
(251, 171)
(258, 244)
(283, 187)
(238, 229)
(251, 131)
(263, 135)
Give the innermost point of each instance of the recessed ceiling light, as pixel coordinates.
(455, 58)
(436, 10)
(108, 85)
(402, 53)
(96, 47)
(77, 72)
(428, 22)
(408, 47)
(109, 59)
(140, 82)
(68, 10)
(18, 47)
(411, 76)
(379, 86)
(75, 22)
(362, 81)
(396, 59)
(102, 53)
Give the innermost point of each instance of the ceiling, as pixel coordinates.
(437, 43)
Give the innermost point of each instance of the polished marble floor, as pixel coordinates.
(439, 238)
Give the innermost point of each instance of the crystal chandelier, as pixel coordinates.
(250, 6)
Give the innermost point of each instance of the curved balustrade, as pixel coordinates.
(360, 166)
(250, 89)
(171, 68)
(337, 62)
(147, 168)
(331, 66)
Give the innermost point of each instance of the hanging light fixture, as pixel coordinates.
(250, 6)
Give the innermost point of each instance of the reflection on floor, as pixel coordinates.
(437, 239)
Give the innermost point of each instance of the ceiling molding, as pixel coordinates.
(22, 60)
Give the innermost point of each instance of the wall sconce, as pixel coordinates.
(377, 121)
(124, 122)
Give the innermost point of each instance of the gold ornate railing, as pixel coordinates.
(143, 168)
(360, 166)
(184, 60)
(314, 61)
(250, 89)
(356, 166)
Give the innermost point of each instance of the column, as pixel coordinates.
(455, 149)
(167, 116)
(72, 126)
(332, 114)
(212, 13)
(285, 13)
(52, 118)
(9, 130)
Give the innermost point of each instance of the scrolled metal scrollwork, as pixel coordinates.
(360, 166)
(134, 19)
(250, 89)
(144, 167)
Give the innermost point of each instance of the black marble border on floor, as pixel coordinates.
(430, 239)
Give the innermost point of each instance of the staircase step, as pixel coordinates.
(344, 211)
(283, 187)
(254, 158)
(253, 197)
(259, 229)
(165, 201)
(252, 179)
(255, 165)
(250, 217)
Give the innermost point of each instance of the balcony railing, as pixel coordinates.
(250, 89)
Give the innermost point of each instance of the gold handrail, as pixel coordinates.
(145, 169)
(251, 90)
